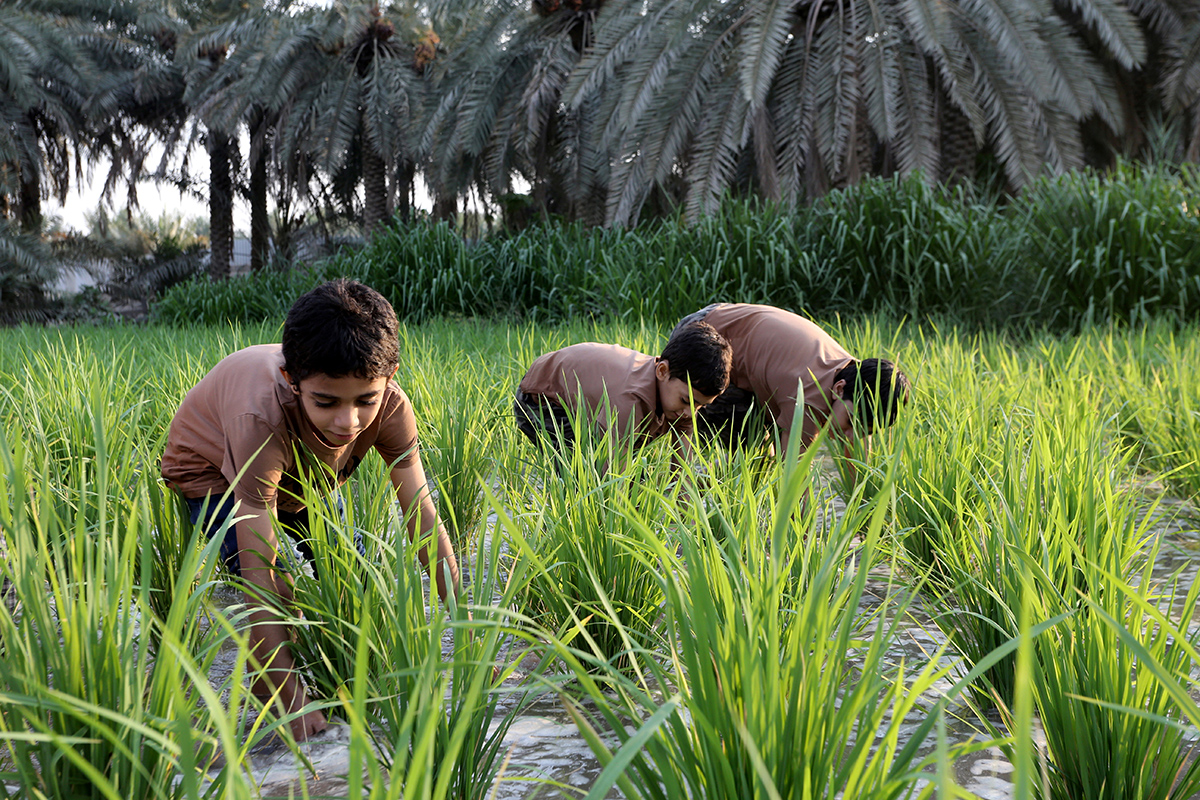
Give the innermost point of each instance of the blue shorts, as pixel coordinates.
(216, 510)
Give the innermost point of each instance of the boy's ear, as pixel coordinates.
(839, 389)
(662, 370)
(291, 382)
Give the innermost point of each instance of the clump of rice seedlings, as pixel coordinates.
(372, 642)
(583, 557)
(1055, 507)
(1160, 397)
(1112, 726)
(455, 403)
(772, 685)
(102, 697)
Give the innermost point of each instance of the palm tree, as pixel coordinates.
(500, 112)
(810, 93)
(45, 81)
(345, 92)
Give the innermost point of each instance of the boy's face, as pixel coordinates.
(676, 396)
(339, 408)
(841, 414)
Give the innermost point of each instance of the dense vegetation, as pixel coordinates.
(734, 642)
(1078, 248)
(323, 116)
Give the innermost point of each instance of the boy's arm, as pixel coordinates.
(413, 494)
(267, 590)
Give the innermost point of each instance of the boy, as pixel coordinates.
(623, 392)
(312, 406)
(781, 359)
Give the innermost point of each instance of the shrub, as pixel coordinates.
(1118, 247)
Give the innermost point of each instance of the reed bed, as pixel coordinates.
(1078, 247)
(725, 630)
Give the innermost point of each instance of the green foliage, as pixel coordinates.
(731, 633)
(1079, 248)
(266, 295)
(764, 627)
(1124, 246)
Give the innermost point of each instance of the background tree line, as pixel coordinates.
(610, 111)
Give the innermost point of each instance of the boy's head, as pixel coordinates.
(875, 388)
(341, 328)
(339, 352)
(696, 357)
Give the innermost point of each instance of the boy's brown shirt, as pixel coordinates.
(592, 371)
(244, 404)
(781, 357)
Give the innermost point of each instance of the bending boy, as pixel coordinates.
(621, 391)
(327, 395)
(781, 360)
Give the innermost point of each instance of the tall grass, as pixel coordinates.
(773, 683)
(1124, 246)
(718, 640)
(1079, 247)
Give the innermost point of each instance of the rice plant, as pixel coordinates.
(101, 697)
(1055, 507)
(772, 685)
(365, 618)
(1112, 727)
(583, 556)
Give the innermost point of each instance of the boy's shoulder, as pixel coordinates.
(247, 381)
(590, 357)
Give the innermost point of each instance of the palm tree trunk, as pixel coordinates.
(404, 189)
(445, 209)
(260, 223)
(958, 143)
(30, 202)
(375, 207)
(220, 205)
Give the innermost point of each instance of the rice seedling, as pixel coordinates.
(100, 697)
(678, 620)
(772, 684)
(1160, 402)
(583, 556)
(1054, 507)
(365, 617)
(1112, 729)
(459, 415)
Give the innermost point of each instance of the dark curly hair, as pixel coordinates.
(697, 354)
(877, 388)
(341, 328)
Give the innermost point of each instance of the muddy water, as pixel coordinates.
(544, 743)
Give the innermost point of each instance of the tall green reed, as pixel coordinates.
(1121, 247)
(774, 682)
(102, 696)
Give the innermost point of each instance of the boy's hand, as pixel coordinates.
(308, 725)
(293, 697)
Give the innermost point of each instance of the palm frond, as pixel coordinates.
(718, 142)
(764, 39)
